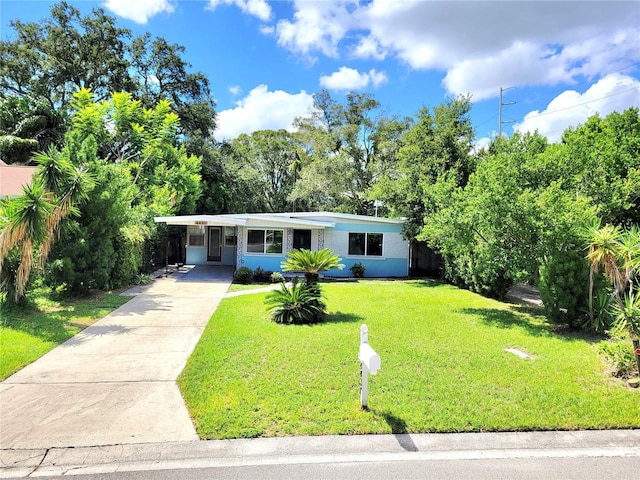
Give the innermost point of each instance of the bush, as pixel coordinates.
(143, 279)
(261, 276)
(357, 269)
(243, 275)
(276, 277)
(300, 304)
(618, 353)
(564, 288)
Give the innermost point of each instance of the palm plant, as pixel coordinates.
(311, 263)
(619, 252)
(300, 304)
(25, 228)
(33, 219)
(603, 251)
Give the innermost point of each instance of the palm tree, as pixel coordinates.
(33, 219)
(25, 228)
(604, 251)
(311, 263)
(68, 186)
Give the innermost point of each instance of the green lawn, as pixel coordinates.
(444, 368)
(28, 333)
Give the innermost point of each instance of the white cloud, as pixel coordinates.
(615, 92)
(262, 109)
(235, 90)
(315, 26)
(139, 11)
(350, 79)
(481, 45)
(257, 8)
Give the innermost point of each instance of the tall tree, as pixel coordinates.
(67, 51)
(344, 149)
(28, 125)
(437, 145)
(265, 164)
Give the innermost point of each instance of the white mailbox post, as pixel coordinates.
(369, 363)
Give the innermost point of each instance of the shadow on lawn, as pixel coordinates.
(425, 282)
(509, 319)
(341, 317)
(52, 327)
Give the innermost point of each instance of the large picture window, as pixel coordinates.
(264, 241)
(369, 244)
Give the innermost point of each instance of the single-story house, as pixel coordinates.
(263, 240)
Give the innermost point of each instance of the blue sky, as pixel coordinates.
(562, 61)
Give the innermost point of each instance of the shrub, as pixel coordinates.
(261, 276)
(143, 279)
(564, 288)
(618, 353)
(299, 304)
(276, 277)
(243, 275)
(357, 269)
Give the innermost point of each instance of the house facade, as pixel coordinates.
(263, 240)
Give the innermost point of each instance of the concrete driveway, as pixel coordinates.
(115, 382)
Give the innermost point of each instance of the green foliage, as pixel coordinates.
(261, 275)
(626, 315)
(437, 145)
(243, 275)
(140, 173)
(261, 169)
(343, 150)
(276, 277)
(143, 279)
(311, 263)
(564, 289)
(358, 269)
(299, 304)
(508, 220)
(618, 353)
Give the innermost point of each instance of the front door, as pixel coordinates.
(214, 251)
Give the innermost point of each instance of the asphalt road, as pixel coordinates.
(579, 468)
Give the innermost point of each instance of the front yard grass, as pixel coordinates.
(444, 368)
(29, 332)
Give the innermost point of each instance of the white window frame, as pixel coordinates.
(264, 240)
(366, 245)
(195, 232)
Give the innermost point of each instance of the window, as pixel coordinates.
(264, 241)
(229, 236)
(196, 235)
(302, 239)
(369, 244)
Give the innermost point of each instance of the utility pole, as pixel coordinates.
(502, 104)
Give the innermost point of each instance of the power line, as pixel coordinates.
(583, 103)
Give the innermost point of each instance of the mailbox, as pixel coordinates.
(369, 358)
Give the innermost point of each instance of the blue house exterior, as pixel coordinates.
(263, 240)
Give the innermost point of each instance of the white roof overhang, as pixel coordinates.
(249, 220)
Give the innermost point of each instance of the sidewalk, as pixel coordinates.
(115, 382)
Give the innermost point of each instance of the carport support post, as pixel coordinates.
(364, 371)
